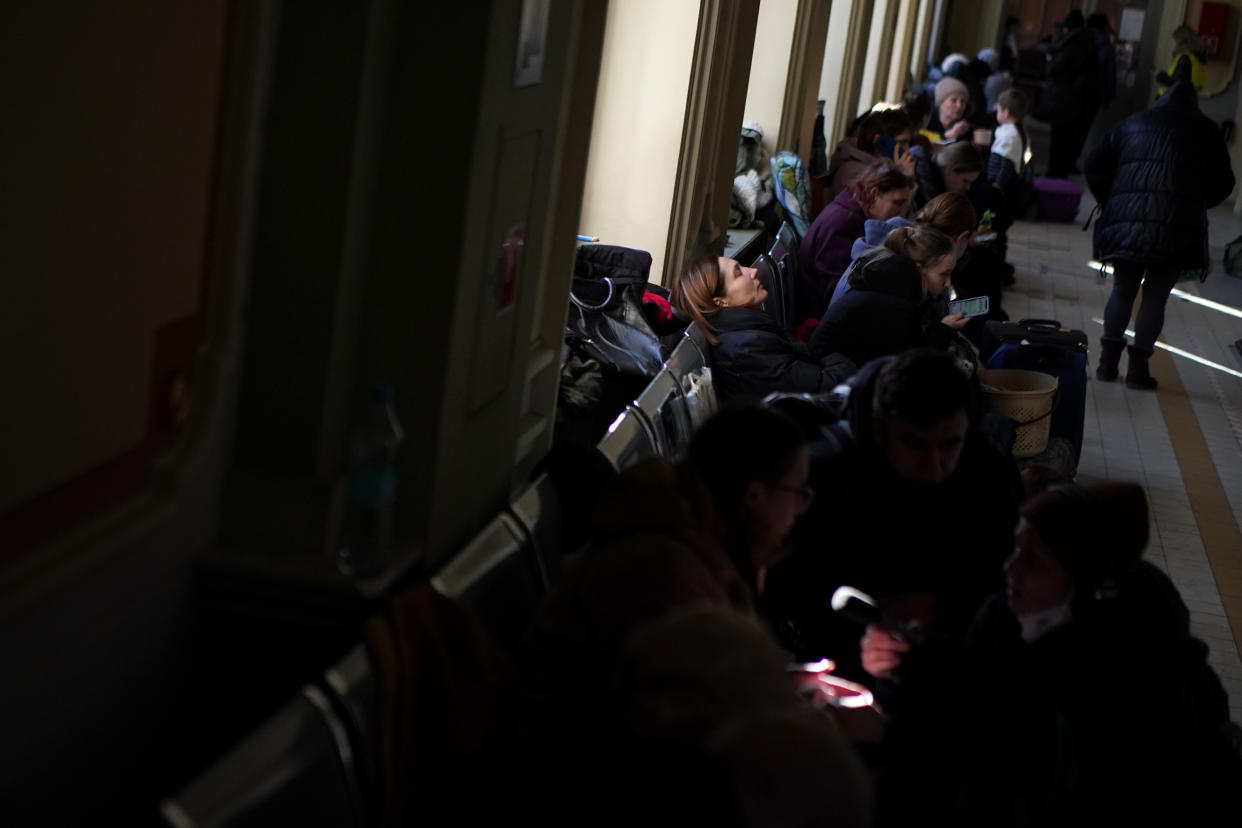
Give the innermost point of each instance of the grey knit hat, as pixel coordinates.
(950, 86)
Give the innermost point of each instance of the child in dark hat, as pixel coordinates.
(1072, 540)
(1092, 701)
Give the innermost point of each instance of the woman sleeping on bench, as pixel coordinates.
(751, 354)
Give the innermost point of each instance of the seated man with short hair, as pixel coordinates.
(914, 506)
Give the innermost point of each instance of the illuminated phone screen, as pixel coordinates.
(970, 307)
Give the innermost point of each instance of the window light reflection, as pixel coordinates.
(1207, 303)
(1107, 270)
(1179, 352)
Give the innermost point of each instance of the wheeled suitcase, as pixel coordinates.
(1043, 345)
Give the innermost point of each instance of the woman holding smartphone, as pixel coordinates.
(950, 213)
(891, 306)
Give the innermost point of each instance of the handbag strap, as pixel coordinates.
(1095, 211)
(612, 289)
(1035, 322)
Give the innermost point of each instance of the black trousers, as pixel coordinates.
(1063, 149)
(1069, 138)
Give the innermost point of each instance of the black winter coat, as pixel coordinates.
(754, 357)
(884, 313)
(1155, 175)
(1072, 74)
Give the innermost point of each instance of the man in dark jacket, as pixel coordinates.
(1102, 86)
(915, 507)
(1154, 176)
(910, 464)
(1066, 100)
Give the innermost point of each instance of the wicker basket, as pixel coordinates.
(1028, 398)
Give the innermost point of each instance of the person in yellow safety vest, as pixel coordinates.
(1189, 60)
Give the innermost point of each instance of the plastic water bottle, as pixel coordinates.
(373, 447)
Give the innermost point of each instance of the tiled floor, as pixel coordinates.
(1184, 442)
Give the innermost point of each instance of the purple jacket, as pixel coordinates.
(825, 252)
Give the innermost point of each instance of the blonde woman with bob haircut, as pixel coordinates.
(752, 356)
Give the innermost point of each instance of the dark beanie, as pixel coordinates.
(1094, 530)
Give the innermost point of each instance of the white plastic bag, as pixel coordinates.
(700, 395)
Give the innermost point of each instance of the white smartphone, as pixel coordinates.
(977, 306)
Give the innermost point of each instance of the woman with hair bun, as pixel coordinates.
(891, 304)
(950, 213)
(752, 356)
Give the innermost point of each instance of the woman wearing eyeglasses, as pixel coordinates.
(701, 531)
(612, 671)
(668, 537)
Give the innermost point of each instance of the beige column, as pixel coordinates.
(719, 74)
(806, 63)
(879, 43)
(639, 115)
(991, 18)
(769, 68)
(975, 24)
(899, 70)
(848, 32)
(922, 34)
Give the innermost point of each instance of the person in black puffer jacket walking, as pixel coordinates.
(1154, 176)
(1067, 100)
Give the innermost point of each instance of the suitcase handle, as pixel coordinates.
(1051, 350)
(1042, 323)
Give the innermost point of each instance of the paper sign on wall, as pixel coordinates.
(1131, 27)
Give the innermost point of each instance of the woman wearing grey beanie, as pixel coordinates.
(952, 109)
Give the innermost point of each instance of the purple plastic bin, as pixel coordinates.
(1057, 198)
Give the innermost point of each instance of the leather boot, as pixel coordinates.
(1110, 356)
(1137, 373)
